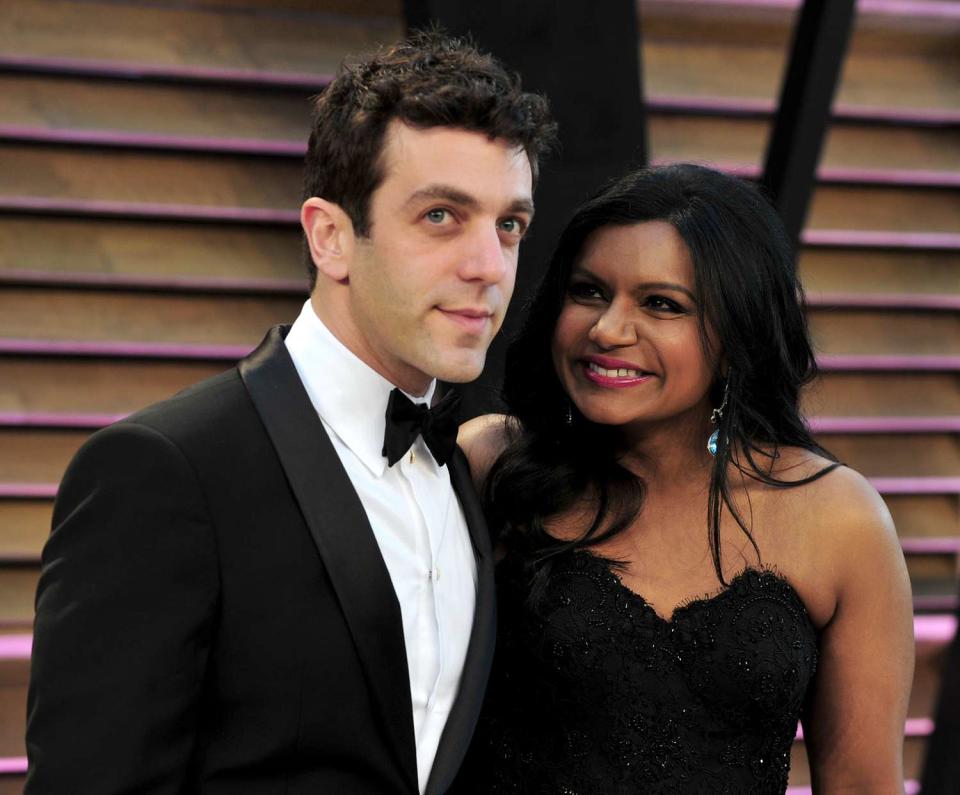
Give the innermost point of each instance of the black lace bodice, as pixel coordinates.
(592, 692)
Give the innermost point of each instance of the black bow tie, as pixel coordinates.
(406, 420)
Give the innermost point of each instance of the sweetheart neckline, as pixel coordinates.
(696, 601)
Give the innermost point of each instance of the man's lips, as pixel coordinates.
(609, 372)
(471, 320)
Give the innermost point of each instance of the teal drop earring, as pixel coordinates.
(715, 416)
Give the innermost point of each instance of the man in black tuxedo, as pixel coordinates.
(266, 584)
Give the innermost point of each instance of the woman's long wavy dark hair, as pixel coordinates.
(747, 292)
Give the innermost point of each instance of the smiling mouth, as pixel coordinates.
(614, 377)
(620, 372)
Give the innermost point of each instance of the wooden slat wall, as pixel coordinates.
(220, 128)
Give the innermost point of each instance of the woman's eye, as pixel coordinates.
(661, 304)
(584, 291)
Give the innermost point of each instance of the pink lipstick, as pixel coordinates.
(613, 373)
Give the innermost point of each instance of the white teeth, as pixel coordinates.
(622, 372)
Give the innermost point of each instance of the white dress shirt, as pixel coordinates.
(415, 516)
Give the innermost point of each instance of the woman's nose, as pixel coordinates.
(613, 329)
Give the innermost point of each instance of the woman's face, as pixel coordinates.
(627, 343)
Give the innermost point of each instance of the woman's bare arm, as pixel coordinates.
(482, 440)
(854, 723)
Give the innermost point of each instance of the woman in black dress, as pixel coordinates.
(685, 573)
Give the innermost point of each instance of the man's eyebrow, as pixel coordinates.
(459, 197)
(524, 206)
(443, 193)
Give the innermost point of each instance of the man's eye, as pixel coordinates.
(437, 215)
(513, 226)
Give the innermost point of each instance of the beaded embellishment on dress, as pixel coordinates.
(594, 693)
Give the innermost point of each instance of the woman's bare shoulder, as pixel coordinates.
(483, 439)
(836, 496)
(840, 536)
(841, 512)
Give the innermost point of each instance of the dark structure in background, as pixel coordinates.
(587, 63)
(819, 45)
(941, 772)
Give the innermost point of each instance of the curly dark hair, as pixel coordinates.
(429, 80)
(747, 292)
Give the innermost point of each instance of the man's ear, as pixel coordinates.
(329, 232)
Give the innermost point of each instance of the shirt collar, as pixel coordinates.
(349, 395)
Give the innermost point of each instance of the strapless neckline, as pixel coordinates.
(593, 692)
(695, 602)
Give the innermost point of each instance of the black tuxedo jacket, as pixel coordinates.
(214, 614)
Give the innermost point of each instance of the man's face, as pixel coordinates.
(428, 289)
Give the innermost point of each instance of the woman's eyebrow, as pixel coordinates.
(666, 286)
(584, 272)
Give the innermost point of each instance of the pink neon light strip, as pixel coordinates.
(885, 424)
(931, 546)
(931, 301)
(13, 764)
(939, 629)
(873, 239)
(916, 485)
(16, 647)
(885, 362)
(56, 419)
(28, 491)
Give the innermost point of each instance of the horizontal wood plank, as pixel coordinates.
(174, 35)
(95, 386)
(165, 178)
(853, 331)
(883, 394)
(150, 248)
(51, 314)
(36, 456)
(883, 208)
(892, 455)
(24, 529)
(864, 271)
(63, 103)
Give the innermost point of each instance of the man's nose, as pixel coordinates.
(485, 258)
(614, 328)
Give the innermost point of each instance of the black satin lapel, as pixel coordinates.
(342, 533)
(476, 670)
